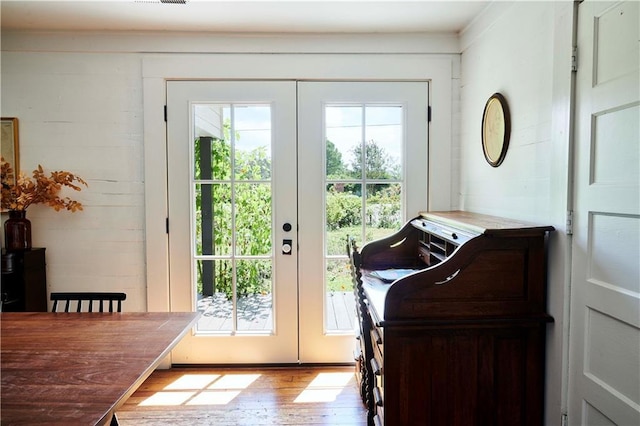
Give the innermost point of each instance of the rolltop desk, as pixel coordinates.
(452, 315)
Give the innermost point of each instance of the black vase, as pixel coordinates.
(17, 231)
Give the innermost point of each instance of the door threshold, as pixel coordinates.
(268, 366)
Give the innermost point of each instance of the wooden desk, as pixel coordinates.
(458, 338)
(70, 368)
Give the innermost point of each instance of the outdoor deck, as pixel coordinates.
(255, 314)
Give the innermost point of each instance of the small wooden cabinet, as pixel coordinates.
(24, 281)
(453, 322)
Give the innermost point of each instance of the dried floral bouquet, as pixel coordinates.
(18, 193)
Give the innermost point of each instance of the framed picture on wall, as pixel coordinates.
(496, 129)
(9, 144)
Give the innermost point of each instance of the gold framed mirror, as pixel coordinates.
(9, 143)
(496, 128)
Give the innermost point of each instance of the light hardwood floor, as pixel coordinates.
(246, 396)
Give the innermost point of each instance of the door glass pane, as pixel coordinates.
(253, 219)
(383, 147)
(214, 284)
(252, 134)
(343, 131)
(340, 301)
(255, 295)
(363, 196)
(384, 210)
(343, 204)
(233, 217)
(212, 153)
(213, 218)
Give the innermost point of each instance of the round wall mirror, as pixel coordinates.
(496, 127)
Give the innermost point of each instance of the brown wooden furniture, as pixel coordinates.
(459, 339)
(78, 368)
(24, 281)
(85, 301)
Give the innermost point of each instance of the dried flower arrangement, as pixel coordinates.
(19, 193)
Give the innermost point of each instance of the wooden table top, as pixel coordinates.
(78, 368)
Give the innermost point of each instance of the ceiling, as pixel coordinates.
(329, 16)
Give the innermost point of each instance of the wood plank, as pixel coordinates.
(77, 368)
(247, 396)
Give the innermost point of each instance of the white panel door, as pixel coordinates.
(232, 188)
(604, 383)
(362, 172)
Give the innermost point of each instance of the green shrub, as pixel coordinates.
(343, 210)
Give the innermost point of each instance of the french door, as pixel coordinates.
(232, 188)
(362, 155)
(257, 172)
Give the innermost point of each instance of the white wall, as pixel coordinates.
(83, 113)
(523, 50)
(514, 57)
(79, 98)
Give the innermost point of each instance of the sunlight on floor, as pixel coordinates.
(325, 387)
(213, 397)
(193, 381)
(234, 381)
(167, 398)
(202, 389)
(221, 389)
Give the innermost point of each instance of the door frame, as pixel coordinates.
(158, 69)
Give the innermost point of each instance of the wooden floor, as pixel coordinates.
(246, 396)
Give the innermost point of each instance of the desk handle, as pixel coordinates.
(450, 233)
(376, 336)
(377, 397)
(449, 278)
(375, 368)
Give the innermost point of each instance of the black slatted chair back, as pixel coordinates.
(85, 301)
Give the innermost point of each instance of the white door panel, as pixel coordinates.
(604, 385)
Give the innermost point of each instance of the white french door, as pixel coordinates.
(362, 156)
(231, 152)
(258, 174)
